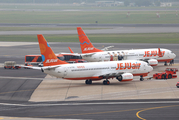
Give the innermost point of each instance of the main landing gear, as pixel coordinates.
(106, 82)
(165, 63)
(88, 81)
(141, 78)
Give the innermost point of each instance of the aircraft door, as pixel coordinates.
(168, 54)
(100, 57)
(65, 71)
(124, 56)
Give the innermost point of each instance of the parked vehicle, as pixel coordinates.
(168, 74)
(11, 65)
(177, 84)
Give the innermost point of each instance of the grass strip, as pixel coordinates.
(162, 38)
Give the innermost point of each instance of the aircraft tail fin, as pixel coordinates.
(48, 56)
(85, 43)
(159, 53)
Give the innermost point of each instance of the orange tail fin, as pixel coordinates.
(85, 43)
(48, 56)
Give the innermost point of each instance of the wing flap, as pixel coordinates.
(106, 75)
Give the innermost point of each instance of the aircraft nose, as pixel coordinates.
(174, 55)
(150, 68)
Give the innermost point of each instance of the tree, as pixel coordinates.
(126, 2)
(143, 3)
(157, 3)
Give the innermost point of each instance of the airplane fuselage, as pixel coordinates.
(134, 54)
(93, 71)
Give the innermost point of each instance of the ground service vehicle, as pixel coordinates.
(11, 65)
(32, 60)
(177, 84)
(169, 72)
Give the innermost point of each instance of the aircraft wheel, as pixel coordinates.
(141, 78)
(106, 82)
(169, 76)
(88, 81)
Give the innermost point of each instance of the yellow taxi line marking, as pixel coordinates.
(137, 114)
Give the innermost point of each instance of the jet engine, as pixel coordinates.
(125, 77)
(152, 62)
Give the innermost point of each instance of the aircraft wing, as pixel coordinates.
(77, 54)
(87, 54)
(31, 67)
(41, 68)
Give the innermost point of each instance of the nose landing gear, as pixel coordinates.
(141, 78)
(88, 81)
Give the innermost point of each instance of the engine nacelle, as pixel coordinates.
(152, 62)
(125, 77)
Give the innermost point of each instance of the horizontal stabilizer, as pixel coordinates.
(107, 48)
(70, 50)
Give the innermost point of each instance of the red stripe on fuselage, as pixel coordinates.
(163, 60)
(100, 78)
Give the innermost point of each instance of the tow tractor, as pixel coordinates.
(170, 73)
(177, 84)
(11, 65)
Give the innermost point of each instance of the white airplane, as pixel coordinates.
(121, 70)
(152, 55)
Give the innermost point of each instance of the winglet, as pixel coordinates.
(48, 56)
(70, 50)
(85, 43)
(159, 53)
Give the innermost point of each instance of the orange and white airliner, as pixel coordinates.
(121, 70)
(152, 56)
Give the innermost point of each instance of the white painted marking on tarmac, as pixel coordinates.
(7, 44)
(20, 78)
(98, 103)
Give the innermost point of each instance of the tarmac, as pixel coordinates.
(31, 93)
(53, 89)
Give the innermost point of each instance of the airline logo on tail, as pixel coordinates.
(89, 48)
(51, 60)
(48, 56)
(86, 45)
